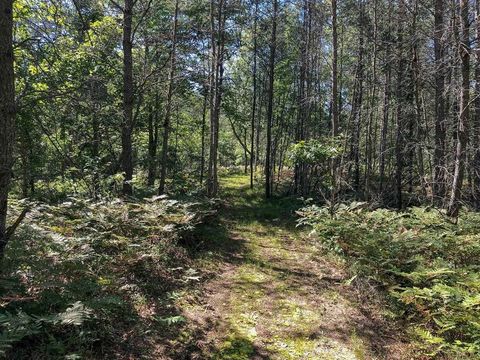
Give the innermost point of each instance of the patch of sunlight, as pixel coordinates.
(296, 316)
(234, 181)
(249, 274)
(296, 348)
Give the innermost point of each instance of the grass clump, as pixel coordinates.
(427, 266)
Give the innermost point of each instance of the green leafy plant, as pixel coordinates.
(17, 326)
(428, 268)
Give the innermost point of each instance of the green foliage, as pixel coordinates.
(428, 266)
(16, 327)
(117, 262)
(315, 151)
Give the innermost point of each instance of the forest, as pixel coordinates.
(240, 179)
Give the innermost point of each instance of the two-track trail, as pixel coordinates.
(275, 294)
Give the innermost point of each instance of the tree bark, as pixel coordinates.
(271, 79)
(7, 114)
(357, 102)
(204, 127)
(386, 103)
(168, 110)
(216, 88)
(401, 103)
(152, 141)
(440, 121)
(254, 96)
(464, 107)
(476, 139)
(335, 117)
(127, 125)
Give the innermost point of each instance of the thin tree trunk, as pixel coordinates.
(464, 107)
(357, 103)
(372, 120)
(271, 78)
(399, 142)
(127, 126)
(476, 139)
(383, 141)
(301, 101)
(420, 133)
(254, 97)
(218, 44)
(95, 153)
(386, 103)
(440, 121)
(7, 114)
(211, 180)
(152, 142)
(204, 128)
(335, 117)
(168, 110)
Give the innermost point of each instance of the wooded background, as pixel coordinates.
(373, 100)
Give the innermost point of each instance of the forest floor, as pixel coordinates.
(274, 294)
(176, 279)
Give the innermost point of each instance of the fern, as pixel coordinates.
(18, 326)
(429, 267)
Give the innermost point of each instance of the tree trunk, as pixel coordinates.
(464, 106)
(476, 139)
(271, 78)
(168, 110)
(439, 174)
(152, 142)
(204, 128)
(401, 111)
(335, 117)
(254, 96)
(357, 103)
(371, 128)
(7, 114)
(386, 103)
(127, 125)
(95, 152)
(218, 45)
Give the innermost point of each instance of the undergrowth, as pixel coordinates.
(427, 266)
(85, 279)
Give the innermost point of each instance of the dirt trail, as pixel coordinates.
(276, 295)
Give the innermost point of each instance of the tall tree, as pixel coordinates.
(358, 98)
(168, 110)
(335, 117)
(401, 103)
(463, 110)
(476, 134)
(128, 97)
(334, 100)
(217, 28)
(7, 114)
(271, 79)
(386, 100)
(440, 121)
(254, 94)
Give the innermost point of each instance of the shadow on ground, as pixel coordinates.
(273, 294)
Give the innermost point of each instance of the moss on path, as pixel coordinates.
(274, 295)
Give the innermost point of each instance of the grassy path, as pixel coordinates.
(275, 296)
